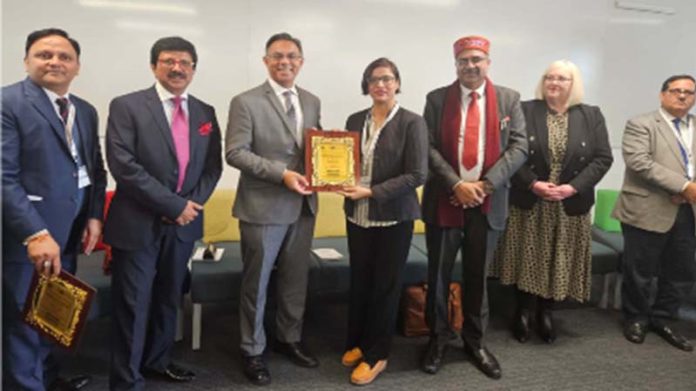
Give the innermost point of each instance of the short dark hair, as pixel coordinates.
(671, 79)
(283, 37)
(38, 34)
(172, 44)
(378, 63)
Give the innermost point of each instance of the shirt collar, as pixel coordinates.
(465, 91)
(165, 95)
(52, 96)
(671, 118)
(279, 90)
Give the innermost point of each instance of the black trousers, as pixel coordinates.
(377, 259)
(476, 241)
(670, 257)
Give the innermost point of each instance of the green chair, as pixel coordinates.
(607, 231)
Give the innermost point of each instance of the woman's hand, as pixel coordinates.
(561, 192)
(355, 192)
(544, 190)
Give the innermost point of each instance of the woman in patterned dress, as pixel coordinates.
(545, 250)
(380, 211)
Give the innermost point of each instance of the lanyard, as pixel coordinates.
(682, 149)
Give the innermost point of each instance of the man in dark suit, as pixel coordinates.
(477, 142)
(53, 184)
(657, 213)
(163, 149)
(275, 209)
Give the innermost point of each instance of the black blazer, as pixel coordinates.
(588, 156)
(399, 166)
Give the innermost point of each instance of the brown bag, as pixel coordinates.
(413, 309)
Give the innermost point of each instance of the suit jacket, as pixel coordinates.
(654, 172)
(513, 146)
(142, 159)
(399, 166)
(261, 143)
(587, 158)
(39, 175)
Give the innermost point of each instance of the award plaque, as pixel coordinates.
(332, 159)
(58, 306)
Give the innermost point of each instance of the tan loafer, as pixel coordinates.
(352, 357)
(364, 374)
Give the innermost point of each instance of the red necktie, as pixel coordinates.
(471, 133)
(180, 134)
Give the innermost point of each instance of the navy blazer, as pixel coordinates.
(142, 159)
(588, 156)
(39, 175)
(400, 165)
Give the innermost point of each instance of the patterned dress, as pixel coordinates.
(544, 251)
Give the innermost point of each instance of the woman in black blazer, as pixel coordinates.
(380, 211)
(545, 250)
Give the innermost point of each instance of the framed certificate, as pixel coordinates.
(57, 307)
(332, 159)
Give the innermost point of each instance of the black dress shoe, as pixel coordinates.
(432, 360)
(520, 328)
(545, 325)
(72, 384)
(673, 338)
(172, 373)
(297, 354)
(255, 370)
(634, 332)
(485, 361)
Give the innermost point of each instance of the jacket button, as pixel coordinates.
(74, 175)
(575, 172)
(532, 166)
(582, 158)
(583, 144)
(531, 152)
(531, 138)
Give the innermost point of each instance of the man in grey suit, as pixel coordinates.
(273, 204)
(656, 210)
(477, 142)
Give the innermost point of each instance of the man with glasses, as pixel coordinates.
(656, 210)
(276, 211)
(477, 142)
(163, 148)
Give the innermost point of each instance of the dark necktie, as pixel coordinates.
(290, 110)
(64, 110)
(676, 122)
(471, 133)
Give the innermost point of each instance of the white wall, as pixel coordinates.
(624, 55)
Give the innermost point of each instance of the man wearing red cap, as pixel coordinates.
(477, 142)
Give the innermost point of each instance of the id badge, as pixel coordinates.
(83, 178)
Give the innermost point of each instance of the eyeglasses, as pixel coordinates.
(170, 63)
(680, 91)
(292, 57)
(469, 60)
(384, 79)
(559, 79)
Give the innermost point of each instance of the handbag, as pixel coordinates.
(413, 309)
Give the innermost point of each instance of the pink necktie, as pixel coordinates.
(180, 133)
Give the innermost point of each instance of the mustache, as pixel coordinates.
(472, 71)
(176, 74)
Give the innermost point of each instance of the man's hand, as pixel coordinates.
(44, 252)
(296, 182)
(91, 234)
(561, 192)
(468, 194)
(355, 192)
(189, 213)
(689, 193)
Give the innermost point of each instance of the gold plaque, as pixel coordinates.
(332, 159)
(58, 306)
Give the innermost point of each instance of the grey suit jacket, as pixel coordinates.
(654, 172)
(513, 146)
(261, 143)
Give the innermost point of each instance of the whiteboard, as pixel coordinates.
(624, 55)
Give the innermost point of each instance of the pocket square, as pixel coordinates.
(205, 129)
(504, 123)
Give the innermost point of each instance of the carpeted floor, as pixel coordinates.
(590, 354)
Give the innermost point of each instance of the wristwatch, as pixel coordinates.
(488, 187)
